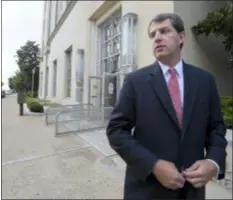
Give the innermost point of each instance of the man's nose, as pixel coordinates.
(158, 37)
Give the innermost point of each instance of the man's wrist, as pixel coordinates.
(155, 166)
(217, 168)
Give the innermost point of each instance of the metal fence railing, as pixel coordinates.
(81, 119)
(51, 112)
(227, 181)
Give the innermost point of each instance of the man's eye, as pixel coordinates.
(164, 31)
(152, 35)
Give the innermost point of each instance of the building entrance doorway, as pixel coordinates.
(110, 45)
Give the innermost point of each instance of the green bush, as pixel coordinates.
(34, 95)
(33, 105)
(36, 107)
(29, 94)
(28, 99)
(226, 106)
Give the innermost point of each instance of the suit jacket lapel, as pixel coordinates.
(158, 83)
(190, 90)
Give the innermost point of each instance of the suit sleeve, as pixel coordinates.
(216, 142)
(139, 159)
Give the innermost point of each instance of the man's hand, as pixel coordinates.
(168, 175)
(200, 173)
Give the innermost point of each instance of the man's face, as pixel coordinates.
(166, 40)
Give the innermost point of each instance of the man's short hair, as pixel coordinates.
(175, 19)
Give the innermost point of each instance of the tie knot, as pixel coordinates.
(172, 72)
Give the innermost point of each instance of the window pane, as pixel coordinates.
(129, 41)
(125, 38)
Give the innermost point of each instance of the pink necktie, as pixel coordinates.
(174, 91)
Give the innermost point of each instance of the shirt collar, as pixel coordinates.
(178, 67)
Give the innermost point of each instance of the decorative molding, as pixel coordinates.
(62, 19)
(102, 9)
(130, 15)
(47, 50)
(80, 51)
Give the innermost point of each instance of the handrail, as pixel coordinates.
(53, 110)
(82, 116)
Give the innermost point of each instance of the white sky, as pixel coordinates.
(21, 21)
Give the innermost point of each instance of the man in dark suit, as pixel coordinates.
(178, 140)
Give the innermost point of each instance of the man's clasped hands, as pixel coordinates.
(199, 174)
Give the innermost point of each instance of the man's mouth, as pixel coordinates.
(160, 46)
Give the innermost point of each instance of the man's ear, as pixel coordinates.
(182, 37)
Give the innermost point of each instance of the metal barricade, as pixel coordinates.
(227, 181)
(51, 112)
(81, 119)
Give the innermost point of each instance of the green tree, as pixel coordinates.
(219, 22)
(2, 84)
(18, 82)
(10, 83)
(27, 58)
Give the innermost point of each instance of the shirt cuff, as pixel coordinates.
(218, 168)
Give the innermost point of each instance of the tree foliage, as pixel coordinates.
(27, 58)
(10, 83)
(18, 82)
(219, 22)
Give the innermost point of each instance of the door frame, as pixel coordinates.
(98, 78)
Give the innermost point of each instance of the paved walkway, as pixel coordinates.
(35, 164)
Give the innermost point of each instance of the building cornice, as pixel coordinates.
(61, 21)
(102, 9)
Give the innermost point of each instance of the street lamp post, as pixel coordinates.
(33, 74)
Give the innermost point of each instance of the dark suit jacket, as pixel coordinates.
(145, 106)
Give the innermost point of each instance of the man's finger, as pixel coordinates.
(192, 174)
(177, 185)
(180, 179)
(198, 185)
(195, 181)
(193, 167)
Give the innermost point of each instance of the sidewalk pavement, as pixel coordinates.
(35, 164)
(98, 140)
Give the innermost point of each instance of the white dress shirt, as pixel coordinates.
(180, 76)
(179, 71)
